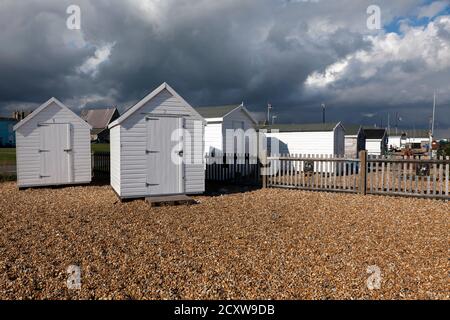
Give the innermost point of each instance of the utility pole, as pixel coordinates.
(269, 107)
(434, 115)
(432, 125)
(323, 113)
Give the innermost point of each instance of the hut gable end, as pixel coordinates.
(52, 135)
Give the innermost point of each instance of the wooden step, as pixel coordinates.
(170, 200)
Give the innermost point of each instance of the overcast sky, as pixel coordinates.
(295, 54)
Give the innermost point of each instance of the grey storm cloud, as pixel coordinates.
(294, 54)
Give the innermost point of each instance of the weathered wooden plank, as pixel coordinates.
(286, 172)
(363, 172)
(313, 185)
(388, 177)
(280, 169)
(405, 175)
(170, 200)
(302, 172)
(434, 178)
(345, 176)
(291, 172)
(321, 172)
(447, 169)
(417, 185)
(411, 176)
(328, 172)
(335, 169)
(377, 186)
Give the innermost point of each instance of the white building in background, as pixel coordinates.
(396, 139)
(157, 148)
(417, 139)
(53, 147)
(306, 139)
(222, 118)
(376, 141)
(355, 140)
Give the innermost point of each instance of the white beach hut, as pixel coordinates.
(396, 139)
(308, 140)
(221, 119)
(157, 148)
(311, 138)
(355, 141)
(53, 147)
(376, 141)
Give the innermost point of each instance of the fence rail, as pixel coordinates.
(414, 176)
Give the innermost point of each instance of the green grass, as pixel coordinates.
(99, 148)
(7, 155)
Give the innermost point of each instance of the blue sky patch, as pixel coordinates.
(414, 20)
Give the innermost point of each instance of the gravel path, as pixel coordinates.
(267, 244)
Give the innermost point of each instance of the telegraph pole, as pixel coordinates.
(432, 125)
(323, 113)
(434, 115)
(269, 107)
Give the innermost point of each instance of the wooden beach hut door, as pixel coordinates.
(165, 155)
(55, 154)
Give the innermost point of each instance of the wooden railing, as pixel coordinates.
(414, 176)
(409, 176)
(310, 172)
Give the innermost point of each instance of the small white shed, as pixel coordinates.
(376, 141)
(307, 139)
(312, 139)
(355, 141)
(396, 139)
(157, 148)
(53, 147)
(222, 118)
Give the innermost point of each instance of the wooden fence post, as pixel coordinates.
(363, 172)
